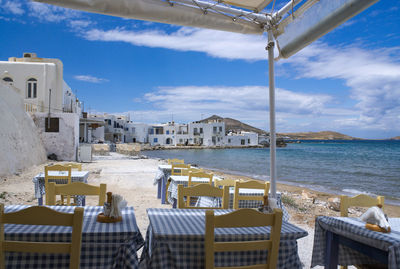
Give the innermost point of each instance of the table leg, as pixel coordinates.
(40, 201)
(174, 204)
(163, 191)
(159, 189)
(332, 250)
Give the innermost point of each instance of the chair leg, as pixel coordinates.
(166, 190)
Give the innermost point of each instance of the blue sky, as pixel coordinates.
(348, 81)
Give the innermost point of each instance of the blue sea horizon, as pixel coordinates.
(334, 166)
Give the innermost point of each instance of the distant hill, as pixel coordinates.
(324, 135)
(232, 125)
(395, 138)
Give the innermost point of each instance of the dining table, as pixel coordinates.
(104, 245)
(346, 241)
(175, 239)
(172, 196)
(210, 201)
(76, 176)
(161, 178)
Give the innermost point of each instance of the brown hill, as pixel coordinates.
(395, 138)
(324, 135)
(232, 125)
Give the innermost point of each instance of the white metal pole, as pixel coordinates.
(272, 138)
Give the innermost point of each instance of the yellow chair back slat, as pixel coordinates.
(176, 161)
(74, 166)
(204, 189)
(225, 182)
(243, 218)
(176, 169)
(48, 176)
(185, 172)
(251, 184)
(40, 215)
(76, 188)
(199, 175)
(360, 200)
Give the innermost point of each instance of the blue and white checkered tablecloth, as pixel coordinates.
(175, 239)
(104, 245)
(208, 201)
(76, 176)
(354, 229)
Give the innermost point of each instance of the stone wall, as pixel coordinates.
(128, 148)
(100, 149)
(20, 143)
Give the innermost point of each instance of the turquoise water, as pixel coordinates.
(340, 167)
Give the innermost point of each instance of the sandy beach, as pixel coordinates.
(133, 178)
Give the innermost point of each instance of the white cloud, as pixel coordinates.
(14, 7)
(79, 24)
(214, 43)
(89, 78)
(51, 13)
(246, 103)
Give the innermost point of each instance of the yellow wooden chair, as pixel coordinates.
(40, 215)
(185, 172)
(251, 184)
(202, 190)
(243, 218)
(74, 166)
(360, 200)
(176, 170)
(176, 161)
(59, 179)
(199, 175)
(76, 188)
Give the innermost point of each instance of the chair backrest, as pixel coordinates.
(185, 172)
(74, 166)
(225, 182)
(176, 161)
(76, 188)
(199, 175)
(251, 184)
(360, 200)
(243, 218)
(64, 178)
(176, 169)
(204, 189)
(40, 215)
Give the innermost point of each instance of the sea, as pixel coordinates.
(334, 166)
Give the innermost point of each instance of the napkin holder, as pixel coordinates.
(103, 217)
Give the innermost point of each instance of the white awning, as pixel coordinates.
(256, 5)
(162, 11)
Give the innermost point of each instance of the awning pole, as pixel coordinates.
(272, 138)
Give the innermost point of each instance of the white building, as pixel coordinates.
(51, 102)
(244, 139)
(211, 133)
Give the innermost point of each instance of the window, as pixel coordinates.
(31, 91)
(8, 80)
(167, 132)
(248, 141)
(242, 142)
(195, 131)
(155, 140)
(214, 130)
(220, 129)
(201, 130)
(54, 126)
(180, 141)
(229, 140)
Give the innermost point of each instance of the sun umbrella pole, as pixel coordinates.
(272, 138)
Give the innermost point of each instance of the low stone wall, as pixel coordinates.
(100, 149)
(128, 148)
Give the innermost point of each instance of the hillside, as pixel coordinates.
(395, 138)
(235, 125)
(324, 135)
